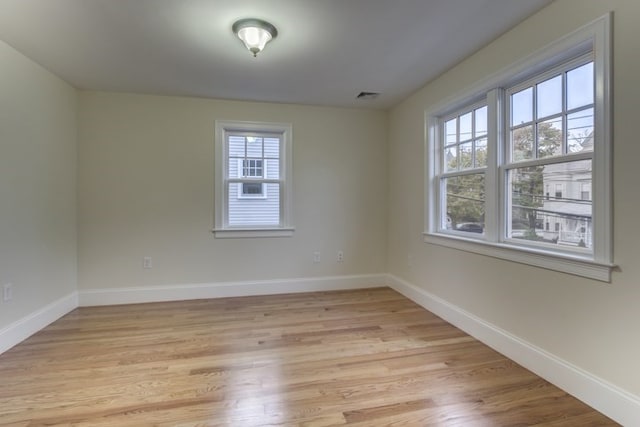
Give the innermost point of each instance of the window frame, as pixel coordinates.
(593, 38)
(222, 181)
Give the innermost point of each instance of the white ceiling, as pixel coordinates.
(326, 52)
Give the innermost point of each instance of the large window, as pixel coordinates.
(253, 180)
(522, 171)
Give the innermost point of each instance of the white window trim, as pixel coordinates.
(595, 36)
(221, 227)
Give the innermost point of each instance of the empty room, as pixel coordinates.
(319, 213)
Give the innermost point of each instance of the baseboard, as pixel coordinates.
(22, 329)
(614, 402)
(135, 295)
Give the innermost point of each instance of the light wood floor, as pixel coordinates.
(358, 358)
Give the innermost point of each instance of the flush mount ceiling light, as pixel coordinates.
(254, 33)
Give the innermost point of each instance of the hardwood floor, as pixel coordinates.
(358, 358)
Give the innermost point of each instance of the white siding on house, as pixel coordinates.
(254, 211)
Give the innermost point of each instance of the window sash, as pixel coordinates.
(559, 70)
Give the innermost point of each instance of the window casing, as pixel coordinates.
(542, 197)
(253, 180)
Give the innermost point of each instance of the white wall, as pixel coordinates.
(146, 171)
(587, 323)
(37, 186)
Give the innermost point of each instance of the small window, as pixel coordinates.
(558, 191)
(585, 192)
(252, 168)
(253, 180)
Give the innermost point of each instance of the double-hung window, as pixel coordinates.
(464, 164)
(253, 180)
(519, 165)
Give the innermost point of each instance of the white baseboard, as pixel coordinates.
(614, 402)
(94, 297)
(22, 329)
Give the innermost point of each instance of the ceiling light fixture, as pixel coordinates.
(254, 33)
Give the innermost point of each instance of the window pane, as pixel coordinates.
(522, 107)
(550, 138)
(451, 158)
(481, 153)
(249, 210)
(549, 97)
(481, 122)
(580, 86)
(466, 155)
(580, 131)
(568, 215)
(465, 127)
(251, 188)
(236, 146)
(451, 131)
(234, 168)
(522, 143)
(272, 148)
(465, 203)
(254, 146)
(273, 168)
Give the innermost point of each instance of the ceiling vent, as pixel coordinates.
(368, 95)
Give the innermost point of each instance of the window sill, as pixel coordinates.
(240, 233)
(564, 263)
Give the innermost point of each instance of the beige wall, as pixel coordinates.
(146, 170)
(37, 186)
(590, 324)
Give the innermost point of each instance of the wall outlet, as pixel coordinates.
(340, 257)
(316, 257)
(7, 292)
(147, 262)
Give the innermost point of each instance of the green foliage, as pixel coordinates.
(466, 193)
(465, 199)
(527, 183)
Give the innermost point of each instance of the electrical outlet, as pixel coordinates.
(147, 262)
(7, 292)
(316, 257)
(340, 257)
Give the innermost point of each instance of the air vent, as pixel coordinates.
(367, 95)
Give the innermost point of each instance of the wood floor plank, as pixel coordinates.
(356, 358)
